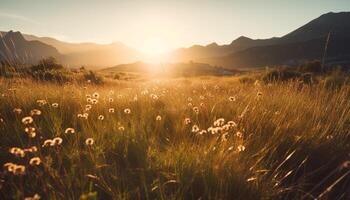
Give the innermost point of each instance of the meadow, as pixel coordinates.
(182, 138)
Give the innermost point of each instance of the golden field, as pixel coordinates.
(184, 138)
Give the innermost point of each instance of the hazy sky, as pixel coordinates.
(161, 25)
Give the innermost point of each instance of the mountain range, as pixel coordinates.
(15, 46)
(305, 43)
(330, 32)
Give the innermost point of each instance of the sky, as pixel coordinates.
(156, 26)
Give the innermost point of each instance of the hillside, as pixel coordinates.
(15, 49)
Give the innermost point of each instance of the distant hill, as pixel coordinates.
(172, 69)
(198, 52)
(16, 50)
(305, 43)
(91, 54)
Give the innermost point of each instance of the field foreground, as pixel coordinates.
(196, 138)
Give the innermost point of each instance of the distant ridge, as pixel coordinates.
(28, 49)
(305, 43)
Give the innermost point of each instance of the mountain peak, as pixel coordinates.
(241, 39)
(14, 36)
(336, 23)
(214, 44)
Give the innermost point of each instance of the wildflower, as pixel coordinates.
(232, 99)
(94, 101)
(85, 115)
(212, 130)
(110, 100)
(201, 104)
(29, 129)
(32, 134)
(127, 111)
(48, 142)
(230, 148)
(241, 148)
(57, 141)
(158, 118)
(189, 99)
(231, 123)
(101, 117)
(55, 105)
(187, 121)
(35, 197)
(35, 161)
(189, 104)
(41, 102)
(9, 166)
(17, 110)
(239, 134)
(195, 128)
(202, 132)
(88, 96)
(89, 100)
(69, 131)
(35, 112)
(27, 120)
(17, 152)
(111, 110)
(329, 137)
(196, 110)
(225, 127)
(95, 95)
(31, 149)
(224, 137)
(89, 142)
(121, 128)
(219, 122)
(88, 107)
(201, 97)
(259, 94)
(19, 170)
(154, 97)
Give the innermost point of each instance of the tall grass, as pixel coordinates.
(276, 141)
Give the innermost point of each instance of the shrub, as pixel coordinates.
(336, 80)
(49, 63)
(311, 66)
(58, 76)
(93, 77)
(281, 74)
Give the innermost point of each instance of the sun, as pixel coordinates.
(155, 46)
